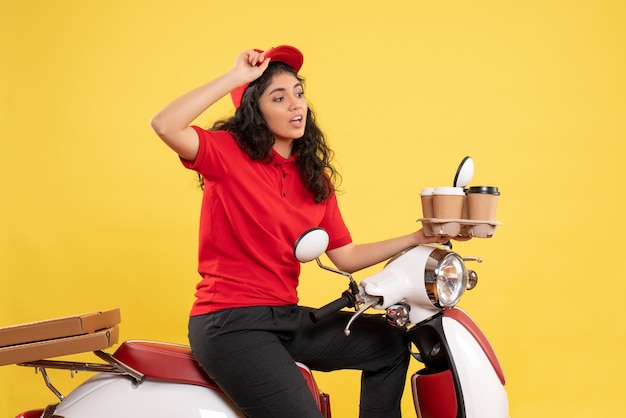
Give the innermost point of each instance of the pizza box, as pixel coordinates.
(68, 326)
(57, 347)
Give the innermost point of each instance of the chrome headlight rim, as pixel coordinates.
(445, 270)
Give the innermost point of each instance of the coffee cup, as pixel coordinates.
(448, 202)
(482, 202)
(427, 202)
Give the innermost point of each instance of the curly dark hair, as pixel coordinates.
(249, 129)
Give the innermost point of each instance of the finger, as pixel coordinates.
(262, 54)
(264, 64)
(252, 57)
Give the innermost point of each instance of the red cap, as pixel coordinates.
(284, 53)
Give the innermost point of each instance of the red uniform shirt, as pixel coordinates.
(252, 214)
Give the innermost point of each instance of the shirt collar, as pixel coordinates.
(279, 159)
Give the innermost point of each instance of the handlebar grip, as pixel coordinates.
(346, 300)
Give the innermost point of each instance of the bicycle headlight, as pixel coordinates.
(445, 278)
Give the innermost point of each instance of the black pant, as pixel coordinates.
(251, 352)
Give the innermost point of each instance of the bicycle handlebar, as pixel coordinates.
(345, 301)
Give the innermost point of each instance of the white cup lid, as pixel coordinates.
(455, 191)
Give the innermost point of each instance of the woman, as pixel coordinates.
(267, 178)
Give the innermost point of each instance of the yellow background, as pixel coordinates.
(96, 213)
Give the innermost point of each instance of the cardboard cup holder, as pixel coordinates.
(458, 227)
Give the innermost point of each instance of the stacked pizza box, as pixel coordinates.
(59, 337)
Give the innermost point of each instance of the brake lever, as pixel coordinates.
(366, 306)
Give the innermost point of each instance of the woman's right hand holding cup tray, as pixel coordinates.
(457, 211)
